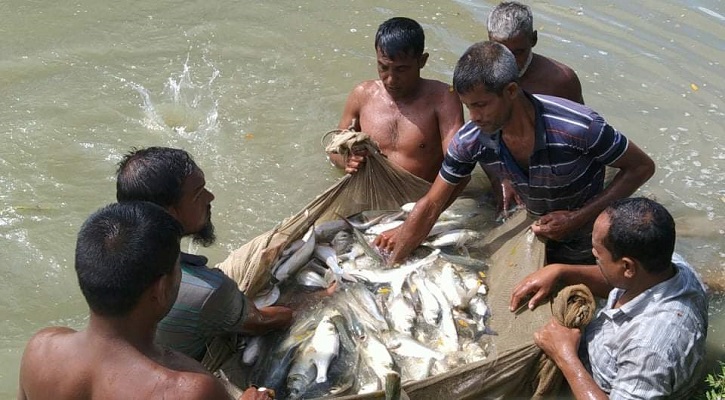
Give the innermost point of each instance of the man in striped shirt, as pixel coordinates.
(648, 342)
(209, 303)
(546, 152)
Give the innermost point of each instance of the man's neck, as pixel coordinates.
(409, 96)
(643, 283)
(124, 330)
(523, 118)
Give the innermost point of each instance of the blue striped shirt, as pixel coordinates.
(652, 347)
(572, 145)
(209, 304)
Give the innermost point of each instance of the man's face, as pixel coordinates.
(520, 45)
(489, 111)
(193, 210)
(611, 269)
(400, 77)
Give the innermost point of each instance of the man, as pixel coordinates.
(128, 271)
(512, 24)
(648, 342)
(411, 118)
(552, 150)
(209, 303)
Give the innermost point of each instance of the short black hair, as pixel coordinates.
(154, 174)
(487, 64)
(641, 229)
(400, 36)
(121, 250)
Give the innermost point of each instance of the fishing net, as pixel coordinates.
(515, 366)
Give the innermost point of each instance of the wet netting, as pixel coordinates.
(515, 367)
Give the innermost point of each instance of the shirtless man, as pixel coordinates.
(127, 262)
(511, 24)
(412, 119)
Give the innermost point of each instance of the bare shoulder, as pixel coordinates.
(47, 342)
(438, 88)
(197, 385)
(366, 89)
(563, 72)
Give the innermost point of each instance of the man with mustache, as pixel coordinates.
(209, 304)
(552, 150)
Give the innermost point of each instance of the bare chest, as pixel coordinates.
(401, 129)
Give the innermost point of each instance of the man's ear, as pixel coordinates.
(422, 60)
(534, 38)
(511, 90)
(159, 291)
(630, 266)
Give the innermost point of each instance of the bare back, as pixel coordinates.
(413, 133)
(550, 77)
(60, 363)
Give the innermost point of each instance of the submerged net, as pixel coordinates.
(516, 367)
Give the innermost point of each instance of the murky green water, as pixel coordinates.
(249, 88)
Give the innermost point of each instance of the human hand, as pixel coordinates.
(558, 342)
(509, 198)
(538, 285)
(253, 393)
(387, 240)
(556, 225)
(276, 317)
(355, 161)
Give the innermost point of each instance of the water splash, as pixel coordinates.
(184, 106)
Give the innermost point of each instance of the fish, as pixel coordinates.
(456, 237)
(447, 325)
(401, 314)
(278, 367)
(327, 230)
(468, 262)
(384, 215)
(368, 301)
(311, 279)
(449, 214)
(327, 255)
(430, 307)
(451, 285)
(267, 298)
(342, 242)
(326, 345)
(299, 258)
(301, 373)
(478, 308)
(377, 357)
(405, 345)
(395, 277)
(441, 227)
(251, 352)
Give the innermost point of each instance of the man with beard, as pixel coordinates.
(411, 119)
(209, 302)
(552, 150)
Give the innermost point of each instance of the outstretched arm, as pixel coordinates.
(635, 168)
(404, 239)
(540, 284)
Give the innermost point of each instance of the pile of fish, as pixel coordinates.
(361, 319)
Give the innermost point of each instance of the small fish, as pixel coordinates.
(327, 255)
(301, 374)
(252, 351)
(299, 258)
(451, 285)
(430, 306)
(311, 279)
(441, 227)
(405, 345)
(378, 357)
(278, 368)
(367, 300)
(342, 242)
(326, 231)
(447, 325)
(456, 237)
(326, 345)
(401, 314)
(267, 298)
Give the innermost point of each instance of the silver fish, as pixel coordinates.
(342, 242)
(395, 276)
(378, 357)
(267, 298)
(441, 227)
(311, 279)
(401, 314)
(252, 351)
(405, 345)
(447, 325)
(299, 258)
(451, 285)
(326, 345)
(429, 305)
(301, 374)
(456, 237)
(326, 231)
(327, 255)
(368, 301)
